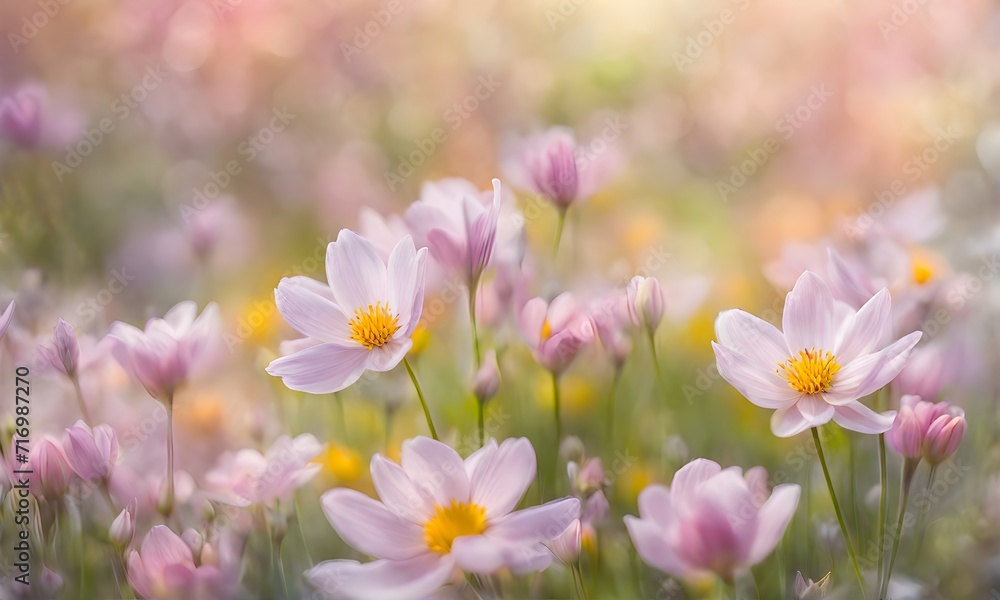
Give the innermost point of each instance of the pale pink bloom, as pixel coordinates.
(711, 520)
(91, 453)
(458, 224)
(122, 529)
(588, 479)
(51, 469)
(166, 354)
(827, 357)
(610, 316)
(906, 438)
(249, 477)
(556, 331)
(363, 316)
(6, 318)
(566, 546)
(645, 302)
(165, 568)
(384, 232)
(554, 166)
(941, 363)
(440, 516)
(64, 355)
(29, 120)
(944, 435)
(926, 430)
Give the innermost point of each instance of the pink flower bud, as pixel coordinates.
(91, 453)
(487, 379)
(906, 436)
(65, 352)
(943, 438)
(123, 527)
(590, 478)
(52, 471)
(645, 302)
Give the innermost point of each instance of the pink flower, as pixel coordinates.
(556, 331)
(711, 520)
(29, 120)
(932, 367)
(486, 381)
(610, 316)
(926, 430)
(249, 477)
(91, 453)
(52, 471)
(439, 516)
(645, 302)
(458, 224)
(165, 355)
(826, 358)
(165, 568)
(552, 165)
(123, 527)
(362, 319)
(64, 355)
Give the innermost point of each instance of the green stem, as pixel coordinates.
(420, 394)
(924, 506)
(909, 467)
(482, 422)
(883, 498)
(79, 399)
(559, 230)
(611, 407)
(840, 515)
(578, 580)
(656, 363)
(302, 533)
(473, 289)
(167, 505)
(558, 415)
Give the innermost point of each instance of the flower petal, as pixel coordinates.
(385, 358)
(689, 478)
(413, 579)
(398, 492)
(356, 273)
(651, 543)
(312, 314)
(369, 527)
(858, 417)
(538, 523)
(815, 410)
(405, 283)
(765, 388)
(786, 422)
(772, 520)
(871, 372)
(866, 329)
(499, 484)
(320, 369)
(752, 337)
(808, 319)
(654, 504)
(436, 468)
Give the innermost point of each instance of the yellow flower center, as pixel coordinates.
(546, 329)
(373, 326)
(922, 272)
(453, 521)
(811, 372)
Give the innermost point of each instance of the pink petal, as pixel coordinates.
(655, 505)
(538, 523)
(402, 282)
(870, 373)
(651, 543)
(329, 576)
(312, 314)
(500, 483)
(808, 319)
(398, 491)
(689, 478)
(786, 422)
(866, 329)
(437, 468)
(6, 318)
(772, 520)
(753, 338)
(480, 554)
(532, 319)
(815, 410)
(320, 369)
(162, 547)
(369, 527)
(388, 356)
(356, 273)
(858, 417)
(480, 457)
(765, 388)
(413, 579)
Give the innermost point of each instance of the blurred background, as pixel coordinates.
(155, 151)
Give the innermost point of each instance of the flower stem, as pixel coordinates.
(909, 467)
(656, 363)
(924, 505)
(482, 423)
(611, 407)
(883, 498)
(167, 502)
(473, 289)
(420, 394)
(559, 230)
(79, 398)
(555, 404)
(840, 515)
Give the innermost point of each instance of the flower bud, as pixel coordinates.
(66, 349)
(943, 438)
(807, 589)
(123, 527)
(487, 380)
(91, 453)
(48, 461)
(906, 437)
(590, 478)
(645, 302)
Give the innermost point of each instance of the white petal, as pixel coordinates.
(765, 388)
(499, 484)
(751, 337)
(866, 330)
(398, 492)
(858, 417)
(786, 422)
(808, 319)
(311, 314)
(356, 273)
(368, 526)
(320, 369)
(437, 469)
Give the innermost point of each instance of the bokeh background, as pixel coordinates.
(202, 150)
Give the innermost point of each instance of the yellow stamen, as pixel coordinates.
(373, 326)
(453, 521)
(546, 329)
(811, 372)
(922, 272)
